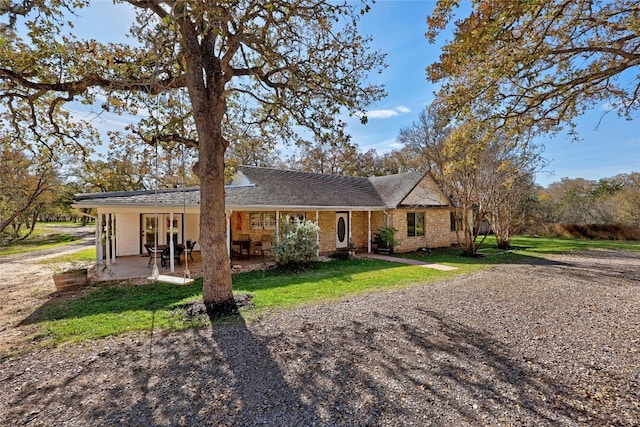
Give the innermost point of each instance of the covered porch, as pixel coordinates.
(123, 237)
(137, 266)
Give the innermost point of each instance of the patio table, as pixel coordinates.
(244, 245)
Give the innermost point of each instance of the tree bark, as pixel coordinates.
(206, 86)
(216, 287)
(217, 292)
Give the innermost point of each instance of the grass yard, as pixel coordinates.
(85, 255)
(549, 245)
(119, 308)
(44, 236)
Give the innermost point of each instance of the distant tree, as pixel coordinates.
(488, 180)
(569, 201)
(124, 168)
(276, 65)
(533, 66)
(335, 156)
(454, 165)
(614, 200)
(402, 160)
(626, 202)
(27, 186)
(252, 145)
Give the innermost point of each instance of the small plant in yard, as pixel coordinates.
(297, 245)
(385, 240)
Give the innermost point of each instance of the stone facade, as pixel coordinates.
(437, 228)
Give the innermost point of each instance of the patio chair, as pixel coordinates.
(263, 246)
(151, 251)
(241, 244)
(166, 255)
(190, 246)
(235, 247)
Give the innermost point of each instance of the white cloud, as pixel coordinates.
(385, 114)
(381, 114)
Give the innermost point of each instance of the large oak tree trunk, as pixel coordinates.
(205, 84)
(216, 288)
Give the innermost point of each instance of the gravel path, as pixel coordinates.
(26, 282)
(548, 342)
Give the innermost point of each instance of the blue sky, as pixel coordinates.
(610, 145)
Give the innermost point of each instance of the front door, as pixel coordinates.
(342, 229)
(163, 228)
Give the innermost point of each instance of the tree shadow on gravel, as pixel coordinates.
(590, 265)
(618, 268)
(218, 376)
(429, 371)
(422, 368)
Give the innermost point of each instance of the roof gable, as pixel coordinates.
(256, 188)
(426, 193)
(409, 189)
(394, 188)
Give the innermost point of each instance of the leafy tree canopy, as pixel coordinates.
(534, 66)
(225, 66)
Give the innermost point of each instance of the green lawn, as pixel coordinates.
(547, 245)
(44, 236)
(117, 308)
(84, 255)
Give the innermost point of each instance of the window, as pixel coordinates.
(257, 221)
(456, 221)
(293, 216)
(263, 221)
(270, 220)
(415, 224)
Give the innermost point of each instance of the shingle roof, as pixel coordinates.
(275, 188)
(394, 188)
(174, 197)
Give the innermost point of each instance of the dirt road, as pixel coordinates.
(26, 282)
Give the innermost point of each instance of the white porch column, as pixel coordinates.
(228, 218)
(350, 215)
(317, 234)
(99, 242)
(113, 237)
(108, 239)
(171, 248)
(277, 226)
(369, 232)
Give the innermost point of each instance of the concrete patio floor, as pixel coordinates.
(137, 266)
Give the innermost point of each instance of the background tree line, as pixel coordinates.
(495, 183)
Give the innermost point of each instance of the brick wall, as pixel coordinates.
(437, 230)
(327, 223)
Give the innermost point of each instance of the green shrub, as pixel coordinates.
(297, 245)
(386, 238)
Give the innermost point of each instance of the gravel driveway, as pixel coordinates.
(544, 342)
